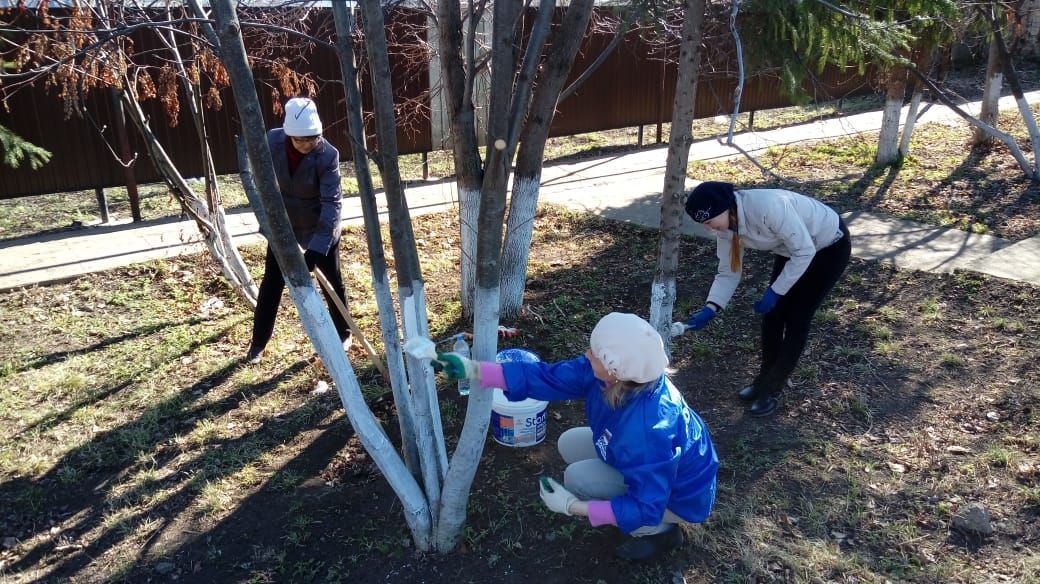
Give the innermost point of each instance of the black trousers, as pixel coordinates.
(270, 296)
(785, 329)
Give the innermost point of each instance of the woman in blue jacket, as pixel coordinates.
(645, 462)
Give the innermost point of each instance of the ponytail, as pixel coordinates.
(734, 248)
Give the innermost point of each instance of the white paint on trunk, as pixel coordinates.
(464, 461)
(888, 138)
(421, 400)
(318, 324)
(469, 214)
(398, 374)
(662, 305)
(989, 110)
(911, 121)
(423, 328)
(1034, 133)
(519, 233)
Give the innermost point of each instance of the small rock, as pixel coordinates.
(973, 518)
(993, 416)
(163, 568)
(896, 467)
(320, 388)
(958, 449)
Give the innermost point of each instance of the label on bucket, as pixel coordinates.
(518, 430)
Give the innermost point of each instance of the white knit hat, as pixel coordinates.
(629, 348)
(301, 118)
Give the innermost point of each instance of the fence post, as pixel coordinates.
(124, 146)
(102, 202)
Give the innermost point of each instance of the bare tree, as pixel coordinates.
(87, 50)
(662, 292)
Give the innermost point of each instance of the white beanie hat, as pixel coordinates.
(301, 117)
(629, 348)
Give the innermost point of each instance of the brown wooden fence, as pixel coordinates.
(633, 87)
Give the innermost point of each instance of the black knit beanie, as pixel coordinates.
(709, 199)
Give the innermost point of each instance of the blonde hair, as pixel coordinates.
(619, 391)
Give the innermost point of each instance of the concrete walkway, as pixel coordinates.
(624, 187)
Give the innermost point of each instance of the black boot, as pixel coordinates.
(649, 546)
(254, 355)
(748, 393)
(764, 406)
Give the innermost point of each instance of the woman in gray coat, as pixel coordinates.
(307, 168)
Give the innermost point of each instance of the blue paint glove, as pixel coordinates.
(455, 366)
(768, 301)
(701, 318)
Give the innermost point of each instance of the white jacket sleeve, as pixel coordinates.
(789, 227)
(726, 281)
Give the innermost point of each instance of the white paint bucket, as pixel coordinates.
(517, 424)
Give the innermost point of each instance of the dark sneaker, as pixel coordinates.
(764, 406)
(649, 546)
(748, 393)
(254, 356)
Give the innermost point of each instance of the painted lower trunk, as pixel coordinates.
(517, 246)
(1034, 133)
(464, 461)
(469, 212)
(888, 138)
(991, 86)
(911, 121)
(662, 306)
(398, 374)
(318, 324)
(423, 404)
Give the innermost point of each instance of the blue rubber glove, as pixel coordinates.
(701, 318)
(768, 301)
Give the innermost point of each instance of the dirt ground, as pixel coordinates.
(917, 396)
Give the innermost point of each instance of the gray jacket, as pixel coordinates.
(312, 196)
(782, 222)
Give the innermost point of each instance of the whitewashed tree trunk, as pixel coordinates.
(1004, 137)
(991, 86)
(344, 21)
(519, 234)
(911, 121)
(888, 138)
(315, 317)
(662, 292)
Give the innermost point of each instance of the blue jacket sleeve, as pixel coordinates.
(571, 379)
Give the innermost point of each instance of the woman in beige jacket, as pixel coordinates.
(811, 248)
